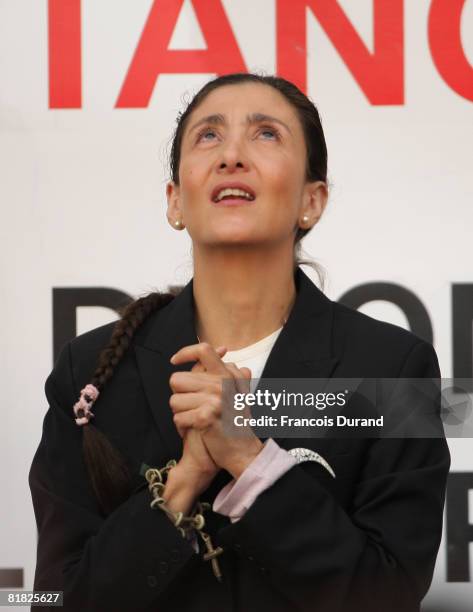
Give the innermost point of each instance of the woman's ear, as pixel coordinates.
(314, 201)
(173, 197)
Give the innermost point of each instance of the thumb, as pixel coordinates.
(246, 372)
(245, 383)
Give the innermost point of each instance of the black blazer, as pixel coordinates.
(366, 540)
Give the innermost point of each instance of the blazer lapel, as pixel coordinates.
(303, 349)
(172, 327)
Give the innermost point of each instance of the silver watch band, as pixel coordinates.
(305, 454)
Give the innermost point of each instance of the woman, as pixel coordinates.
(249, 180)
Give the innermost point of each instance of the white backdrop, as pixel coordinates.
(83, 189)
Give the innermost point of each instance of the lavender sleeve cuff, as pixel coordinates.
(234, 499)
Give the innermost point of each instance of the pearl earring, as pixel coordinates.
(305, 218)
(178, 224)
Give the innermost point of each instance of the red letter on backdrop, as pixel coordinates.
(65, 83)
(153, 58)
(380, 74)
(446, 46)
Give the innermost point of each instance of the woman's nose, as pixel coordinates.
(231, 165)
(233, 155)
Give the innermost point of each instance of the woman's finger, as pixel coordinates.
(180, 402)
(242, 377)
(203, 352)
(198, 367)
(185, 382)
(181, 431)
(200, 419)
(183, 420)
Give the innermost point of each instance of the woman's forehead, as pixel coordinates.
(243, 101)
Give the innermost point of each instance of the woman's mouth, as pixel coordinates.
(232, 194)
(233, 201)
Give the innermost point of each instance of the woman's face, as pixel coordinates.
(254, 138)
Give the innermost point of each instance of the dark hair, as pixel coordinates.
(107, 468)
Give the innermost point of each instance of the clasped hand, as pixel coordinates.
(198, 408)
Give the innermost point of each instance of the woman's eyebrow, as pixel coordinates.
(252, 119)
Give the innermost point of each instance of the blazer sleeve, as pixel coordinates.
(125, 561)
(379, 554)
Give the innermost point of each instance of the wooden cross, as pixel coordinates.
(212, 554)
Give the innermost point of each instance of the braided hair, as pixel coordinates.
(108, 471)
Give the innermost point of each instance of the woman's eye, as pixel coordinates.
(270, 130)
(204, 133)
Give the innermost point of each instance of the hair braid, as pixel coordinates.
(107, 468)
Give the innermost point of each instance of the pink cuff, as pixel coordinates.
(234, 499)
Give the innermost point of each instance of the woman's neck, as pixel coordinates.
(238, 302)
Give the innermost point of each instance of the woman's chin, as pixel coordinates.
(233, 236)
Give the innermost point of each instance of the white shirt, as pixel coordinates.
(253, 356)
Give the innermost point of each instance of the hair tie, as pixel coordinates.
(88, 395)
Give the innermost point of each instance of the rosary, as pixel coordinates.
(186, 525)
